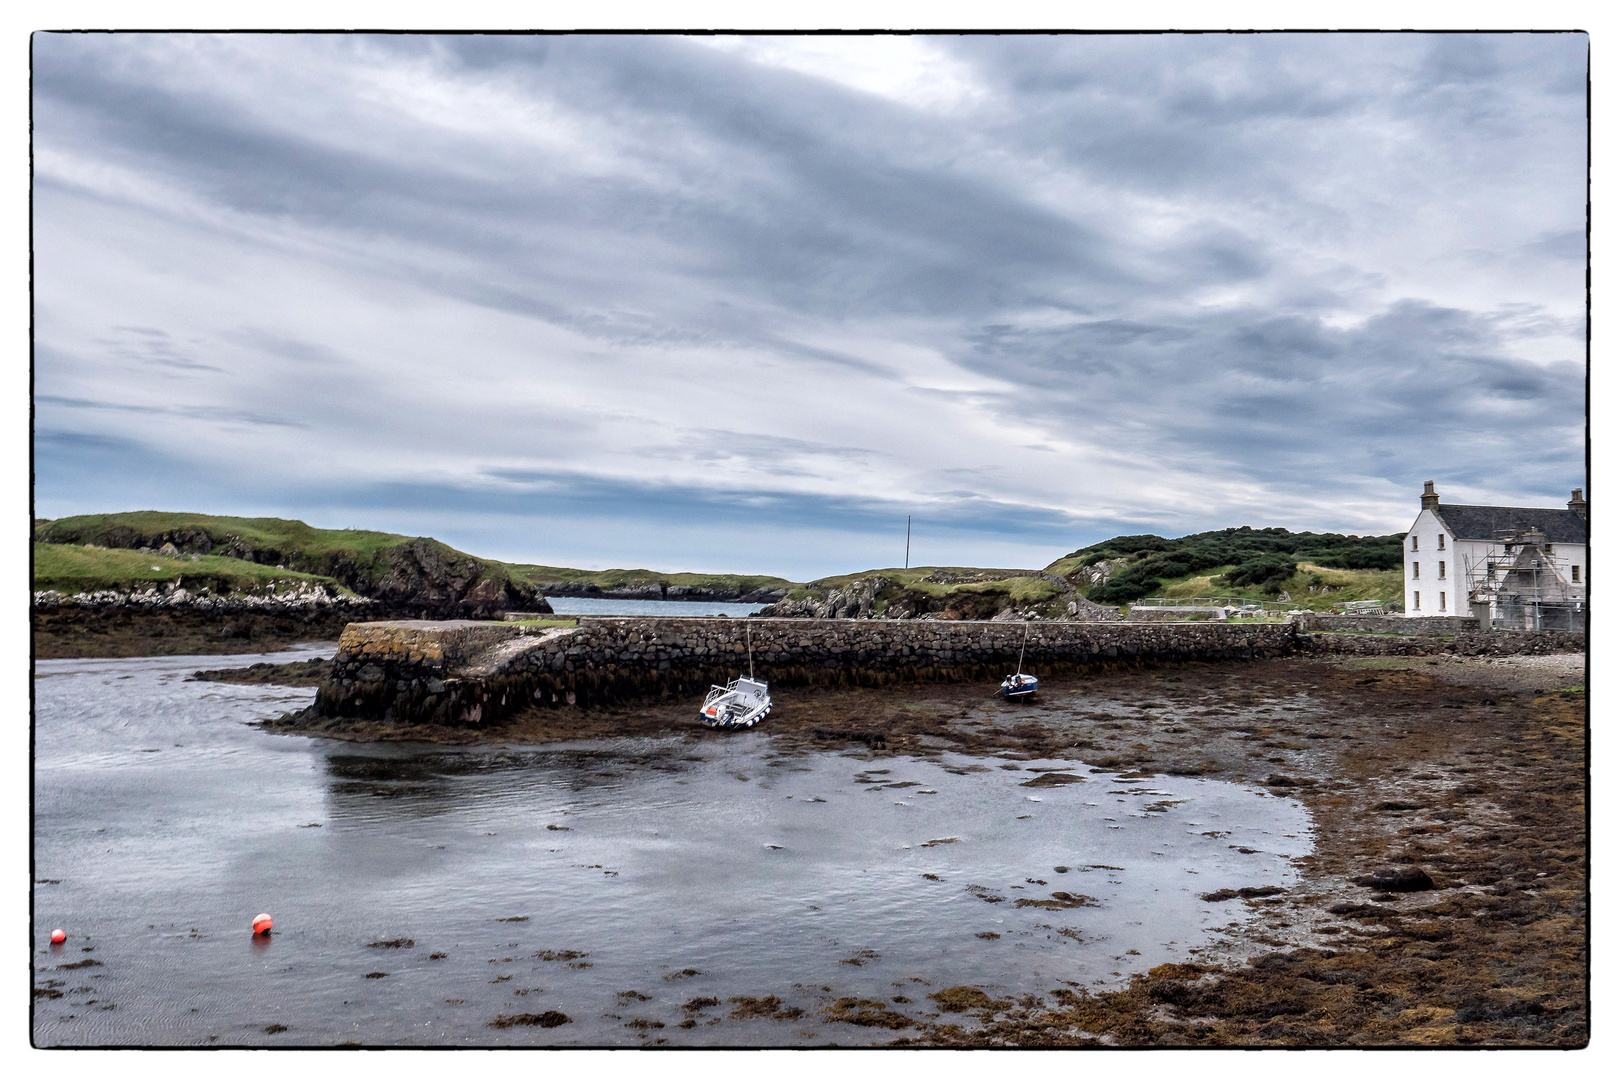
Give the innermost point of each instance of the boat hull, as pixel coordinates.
(1019, 690)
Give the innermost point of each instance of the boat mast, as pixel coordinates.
(1021, 649)
(748, 632)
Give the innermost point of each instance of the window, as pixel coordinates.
(1442, 568)
(1414, 541)
(1575, 574)
(1417, 601)
(1442, 541)
(1414, 568)
(1442, 601)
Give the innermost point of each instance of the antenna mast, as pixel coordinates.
(748, 632)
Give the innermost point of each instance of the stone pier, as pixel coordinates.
(476, 673)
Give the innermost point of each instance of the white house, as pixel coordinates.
(1456, 552)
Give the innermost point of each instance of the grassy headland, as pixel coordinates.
(387, 566)
(72, 570)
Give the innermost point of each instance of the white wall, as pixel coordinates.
(1427, 581)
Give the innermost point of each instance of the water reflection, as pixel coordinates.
(565, 877)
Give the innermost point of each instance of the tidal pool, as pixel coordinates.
(421, 893)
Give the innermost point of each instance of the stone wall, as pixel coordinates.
(1175, 614)
(465, 673)
(1474, 643)
(478, 673)
(1389, 624)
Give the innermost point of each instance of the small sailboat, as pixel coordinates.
(741, 703)
(1018, 686)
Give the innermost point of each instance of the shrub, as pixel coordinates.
(1267, 573)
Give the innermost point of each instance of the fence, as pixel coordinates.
(1237, 603)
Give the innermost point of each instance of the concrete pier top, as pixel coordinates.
(417, 641)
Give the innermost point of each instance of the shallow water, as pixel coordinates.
(590, 605)
(165, 820)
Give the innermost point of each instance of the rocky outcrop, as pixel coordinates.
(287, 596)
(857, 600)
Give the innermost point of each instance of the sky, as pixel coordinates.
(746, 303)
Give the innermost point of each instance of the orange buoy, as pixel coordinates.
(58, 936)
(261, 923)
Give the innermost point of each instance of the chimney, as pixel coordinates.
(1577, 502)
(1429, 501)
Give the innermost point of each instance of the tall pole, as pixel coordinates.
(908, 541)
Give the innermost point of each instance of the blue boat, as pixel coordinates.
(1018, 686)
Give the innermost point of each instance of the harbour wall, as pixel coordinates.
(464, 672)
(1389, 624)
(476, 673)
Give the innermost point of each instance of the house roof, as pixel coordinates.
(1496, 522)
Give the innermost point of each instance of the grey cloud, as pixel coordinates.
(1063, 233)
(215, 414)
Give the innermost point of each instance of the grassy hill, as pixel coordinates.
(403, 569)
(80, 569)
(1253, 563)
(628, 580)
(963, 592)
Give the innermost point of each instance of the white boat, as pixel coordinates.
(738, 704)
(741, 703)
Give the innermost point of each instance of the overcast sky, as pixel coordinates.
(745, 303)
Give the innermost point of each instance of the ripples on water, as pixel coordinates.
(165, 820)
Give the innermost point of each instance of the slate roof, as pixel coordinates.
(1495, 522)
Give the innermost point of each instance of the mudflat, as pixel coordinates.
(1445, 902)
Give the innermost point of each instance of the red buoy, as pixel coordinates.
(261, 923)
(58, 936)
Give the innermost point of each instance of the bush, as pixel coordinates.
(1267, 573)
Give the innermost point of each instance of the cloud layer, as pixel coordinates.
(745, 303)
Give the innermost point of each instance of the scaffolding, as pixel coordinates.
(1523, 587)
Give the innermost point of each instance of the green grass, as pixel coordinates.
(1384, 586)
(979, 591)
(531, 574)
(268, 533)
(358, 557)
(80, 569)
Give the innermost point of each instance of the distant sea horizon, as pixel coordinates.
(590, 605)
